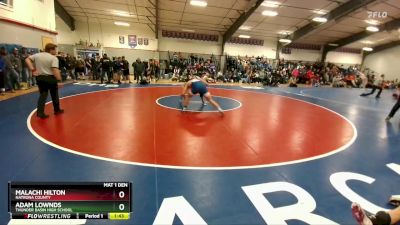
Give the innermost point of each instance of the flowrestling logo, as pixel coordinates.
(377, 14)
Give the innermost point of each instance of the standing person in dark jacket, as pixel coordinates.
(139, 69)
(118, 69)
(16, 65)
(106, 66)
(96, 67)
(79, 68)
(11, 76)
(2, 74)
(70, 66)
(126, 69)
(62, 65)
(25, 75)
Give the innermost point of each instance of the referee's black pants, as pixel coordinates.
(395, 108)
(374, 87)
(46, 84)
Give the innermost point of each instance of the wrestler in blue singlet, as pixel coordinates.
(198, 87)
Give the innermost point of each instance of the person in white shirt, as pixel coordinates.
(44, 67)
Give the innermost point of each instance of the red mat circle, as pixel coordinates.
(126, 125)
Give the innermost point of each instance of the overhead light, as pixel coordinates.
(244, 36)
(118, 23)
(372, 22)
(122, 13)
(285, 32)
(245, 28)
(200, 3)
(188, 30)
(285, 40)
(367, 42)
(367, 49)
(271, 4)
(372, 29)
(269, 13)
(320, 19)
(333, 44)
(320, 11)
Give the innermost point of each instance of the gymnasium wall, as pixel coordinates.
(302, 55)
(268, 50)
(385, 62)
(343, 58)
(189, 46)
(27, 23)
(132, 54)
(106, 33)
(65, 35)
(33, 12)
(24, 36)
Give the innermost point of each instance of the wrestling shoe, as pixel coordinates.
(58, 112)
(395, 200)
(42, 116)
(221, 112)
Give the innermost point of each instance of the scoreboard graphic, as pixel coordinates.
(70, 200)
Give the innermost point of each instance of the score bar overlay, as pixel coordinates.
(70, 200)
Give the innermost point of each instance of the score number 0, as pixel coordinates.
(121, 206)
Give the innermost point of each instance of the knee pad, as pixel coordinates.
(381, 218)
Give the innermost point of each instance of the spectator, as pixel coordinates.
(162, 69)
(62, 63)
(96, 67)
(11, 76)
(2, 72)
(88, 67)
(106, 66)
(139, 70)
(16, 65)
(25, 73)
(79, 69)
(70, 66)
(126, 69)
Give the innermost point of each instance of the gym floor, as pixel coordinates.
(277, 155)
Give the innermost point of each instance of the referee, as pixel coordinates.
(44, 67)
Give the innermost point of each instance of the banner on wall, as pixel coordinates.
(46, 40)
(189, 35)
(121, 39)
(132, 41)
(140, 41)
(146, 41)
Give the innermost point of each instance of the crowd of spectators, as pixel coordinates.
(259, 70)
(179, 67)
(252, 70)
(13, 70)
(112, 69)
(314, 74)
